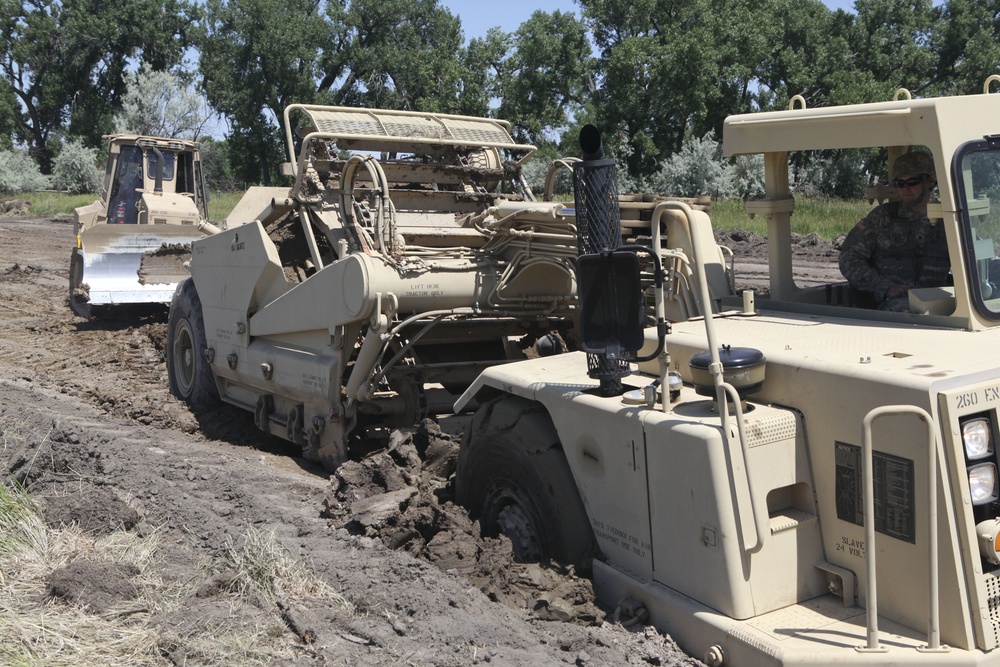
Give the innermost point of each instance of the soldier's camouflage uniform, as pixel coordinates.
(893, 244)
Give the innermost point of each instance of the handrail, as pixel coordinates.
(871, 600)
(724, 391)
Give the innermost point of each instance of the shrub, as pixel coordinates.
(19, 173)
(697, 169)
(75, 169)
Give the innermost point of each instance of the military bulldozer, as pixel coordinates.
(793, 479)
(131, 244)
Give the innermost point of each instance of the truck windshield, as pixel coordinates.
(979, 199)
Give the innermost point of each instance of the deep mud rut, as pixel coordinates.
(425, 589)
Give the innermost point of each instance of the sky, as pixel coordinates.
(479, 16)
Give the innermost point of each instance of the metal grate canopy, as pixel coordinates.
(408, 126)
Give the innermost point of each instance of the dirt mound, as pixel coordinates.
(750, 245)
(14, 208)
(93, 586)
(96, 510)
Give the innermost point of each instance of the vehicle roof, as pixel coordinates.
(898, 123)
(159, 142)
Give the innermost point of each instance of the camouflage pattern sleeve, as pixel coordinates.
(856, 257)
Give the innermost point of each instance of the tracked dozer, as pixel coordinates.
(131, 244)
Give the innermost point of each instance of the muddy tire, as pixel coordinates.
(513, 477)
(78, 298)
(190, 375)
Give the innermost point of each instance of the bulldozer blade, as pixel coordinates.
(130, 264)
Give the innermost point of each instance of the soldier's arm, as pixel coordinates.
(855, 262)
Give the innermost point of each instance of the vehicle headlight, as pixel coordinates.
(977, 438)
(983, 483)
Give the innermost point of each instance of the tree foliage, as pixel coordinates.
(396, 54)
(548, 75)
(19, 173)
(160, 104)
(653, 75)
(66, 61)
(258, 56)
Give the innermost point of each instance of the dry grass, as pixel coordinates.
(35, 630)
(266, 570)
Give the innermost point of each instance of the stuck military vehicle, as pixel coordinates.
(796, 479)
(131, 244)
(780, 478)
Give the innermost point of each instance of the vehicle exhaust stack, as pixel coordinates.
(599, 228)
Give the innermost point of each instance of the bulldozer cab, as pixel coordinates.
(134, 168)
(126, 186)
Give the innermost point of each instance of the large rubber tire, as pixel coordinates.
(514, 478)
(189, 373)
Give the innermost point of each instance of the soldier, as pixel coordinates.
(895, 247)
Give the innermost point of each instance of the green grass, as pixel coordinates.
(220, 205)
(826, 217)
(53, 204)
(58, 204)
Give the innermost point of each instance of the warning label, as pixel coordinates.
(893, 481)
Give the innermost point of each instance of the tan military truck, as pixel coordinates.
(407, 256)
(794, 480)
(131, 243)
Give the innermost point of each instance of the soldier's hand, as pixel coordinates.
(896, 291)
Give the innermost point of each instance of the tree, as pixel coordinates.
(75, 169)
(548, 75)
(8, 115)
(668, 69)
(966, 41)
(393, 54)
(890, 46)
(19, 173)
(482, 63)
(807, 55)
(258, 56)
(159, 104)
(66, 61)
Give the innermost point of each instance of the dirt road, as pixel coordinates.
(89, 427)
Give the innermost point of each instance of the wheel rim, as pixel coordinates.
(183, 354)
(513, 519)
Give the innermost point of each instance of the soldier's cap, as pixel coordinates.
(914, 163)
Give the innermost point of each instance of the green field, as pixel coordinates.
(55, 204)
(826, 217)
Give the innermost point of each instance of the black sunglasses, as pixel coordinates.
(909, 182)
